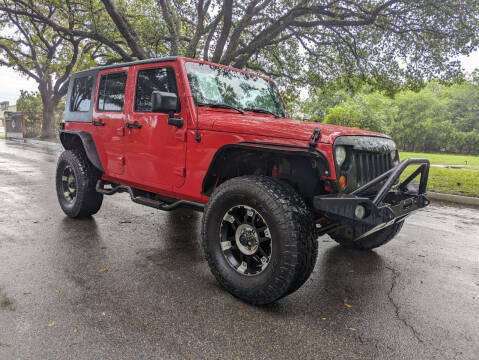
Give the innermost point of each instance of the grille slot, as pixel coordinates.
(370, 165)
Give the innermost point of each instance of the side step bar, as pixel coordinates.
(157, 204)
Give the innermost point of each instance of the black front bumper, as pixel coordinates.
(391, 203)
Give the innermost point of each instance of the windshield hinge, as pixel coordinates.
(315, 137)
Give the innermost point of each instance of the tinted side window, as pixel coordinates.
(80, 98)
(111, 92)
(149, 80)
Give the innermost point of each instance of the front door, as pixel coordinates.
(155, 151)
(109, 120)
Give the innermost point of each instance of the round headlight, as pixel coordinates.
(393, 155)
(340, 155)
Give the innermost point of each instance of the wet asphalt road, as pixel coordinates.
(130, 283)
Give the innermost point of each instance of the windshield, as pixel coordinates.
(213, 85)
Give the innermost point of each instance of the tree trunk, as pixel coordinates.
(48, 119)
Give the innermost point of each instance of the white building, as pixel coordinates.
(5, 106)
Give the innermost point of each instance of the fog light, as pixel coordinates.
(360, 211)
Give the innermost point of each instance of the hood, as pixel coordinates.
(266, 125)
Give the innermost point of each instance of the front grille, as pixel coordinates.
(369, 165)
(367, 158)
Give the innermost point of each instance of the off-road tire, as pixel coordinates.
(310, 245)
(294, 248)
(87, 200)
(372, 241)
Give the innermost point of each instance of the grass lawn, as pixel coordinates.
(466, 161)
(450, 181)
(459, 181)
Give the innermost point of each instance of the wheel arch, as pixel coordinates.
(72, 139)
(302, 167)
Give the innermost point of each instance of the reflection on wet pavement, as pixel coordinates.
(132, 281)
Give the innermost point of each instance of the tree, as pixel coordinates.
(372, 112)
(47, 56)
(463, 100)
(437, 118)
(296, 41)
(30, 104)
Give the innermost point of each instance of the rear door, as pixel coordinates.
(155, 151)
(109, 119)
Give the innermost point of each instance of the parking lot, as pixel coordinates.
(130, 283)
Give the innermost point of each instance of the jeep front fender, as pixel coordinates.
(228, 155)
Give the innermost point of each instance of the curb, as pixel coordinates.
(456, 199)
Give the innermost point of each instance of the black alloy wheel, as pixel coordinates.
(69, 184)
(246, 240)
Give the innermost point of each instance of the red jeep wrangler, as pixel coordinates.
(180, 132)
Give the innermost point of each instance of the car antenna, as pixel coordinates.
(198, 136)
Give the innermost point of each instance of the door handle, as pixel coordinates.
(133, 125)
(98, 123)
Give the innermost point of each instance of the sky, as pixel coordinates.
(12, 82)
(470, 62)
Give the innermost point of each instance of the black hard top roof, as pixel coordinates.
(131, 63)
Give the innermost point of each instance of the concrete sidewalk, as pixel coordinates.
(456, 199)
(48, 144)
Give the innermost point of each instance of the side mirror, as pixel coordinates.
(164, 102)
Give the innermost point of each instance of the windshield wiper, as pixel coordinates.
(262, 111)
(221, 106)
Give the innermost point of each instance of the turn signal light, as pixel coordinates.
(342, 182)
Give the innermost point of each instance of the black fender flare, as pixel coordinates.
(70, 140)
(285, 150)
